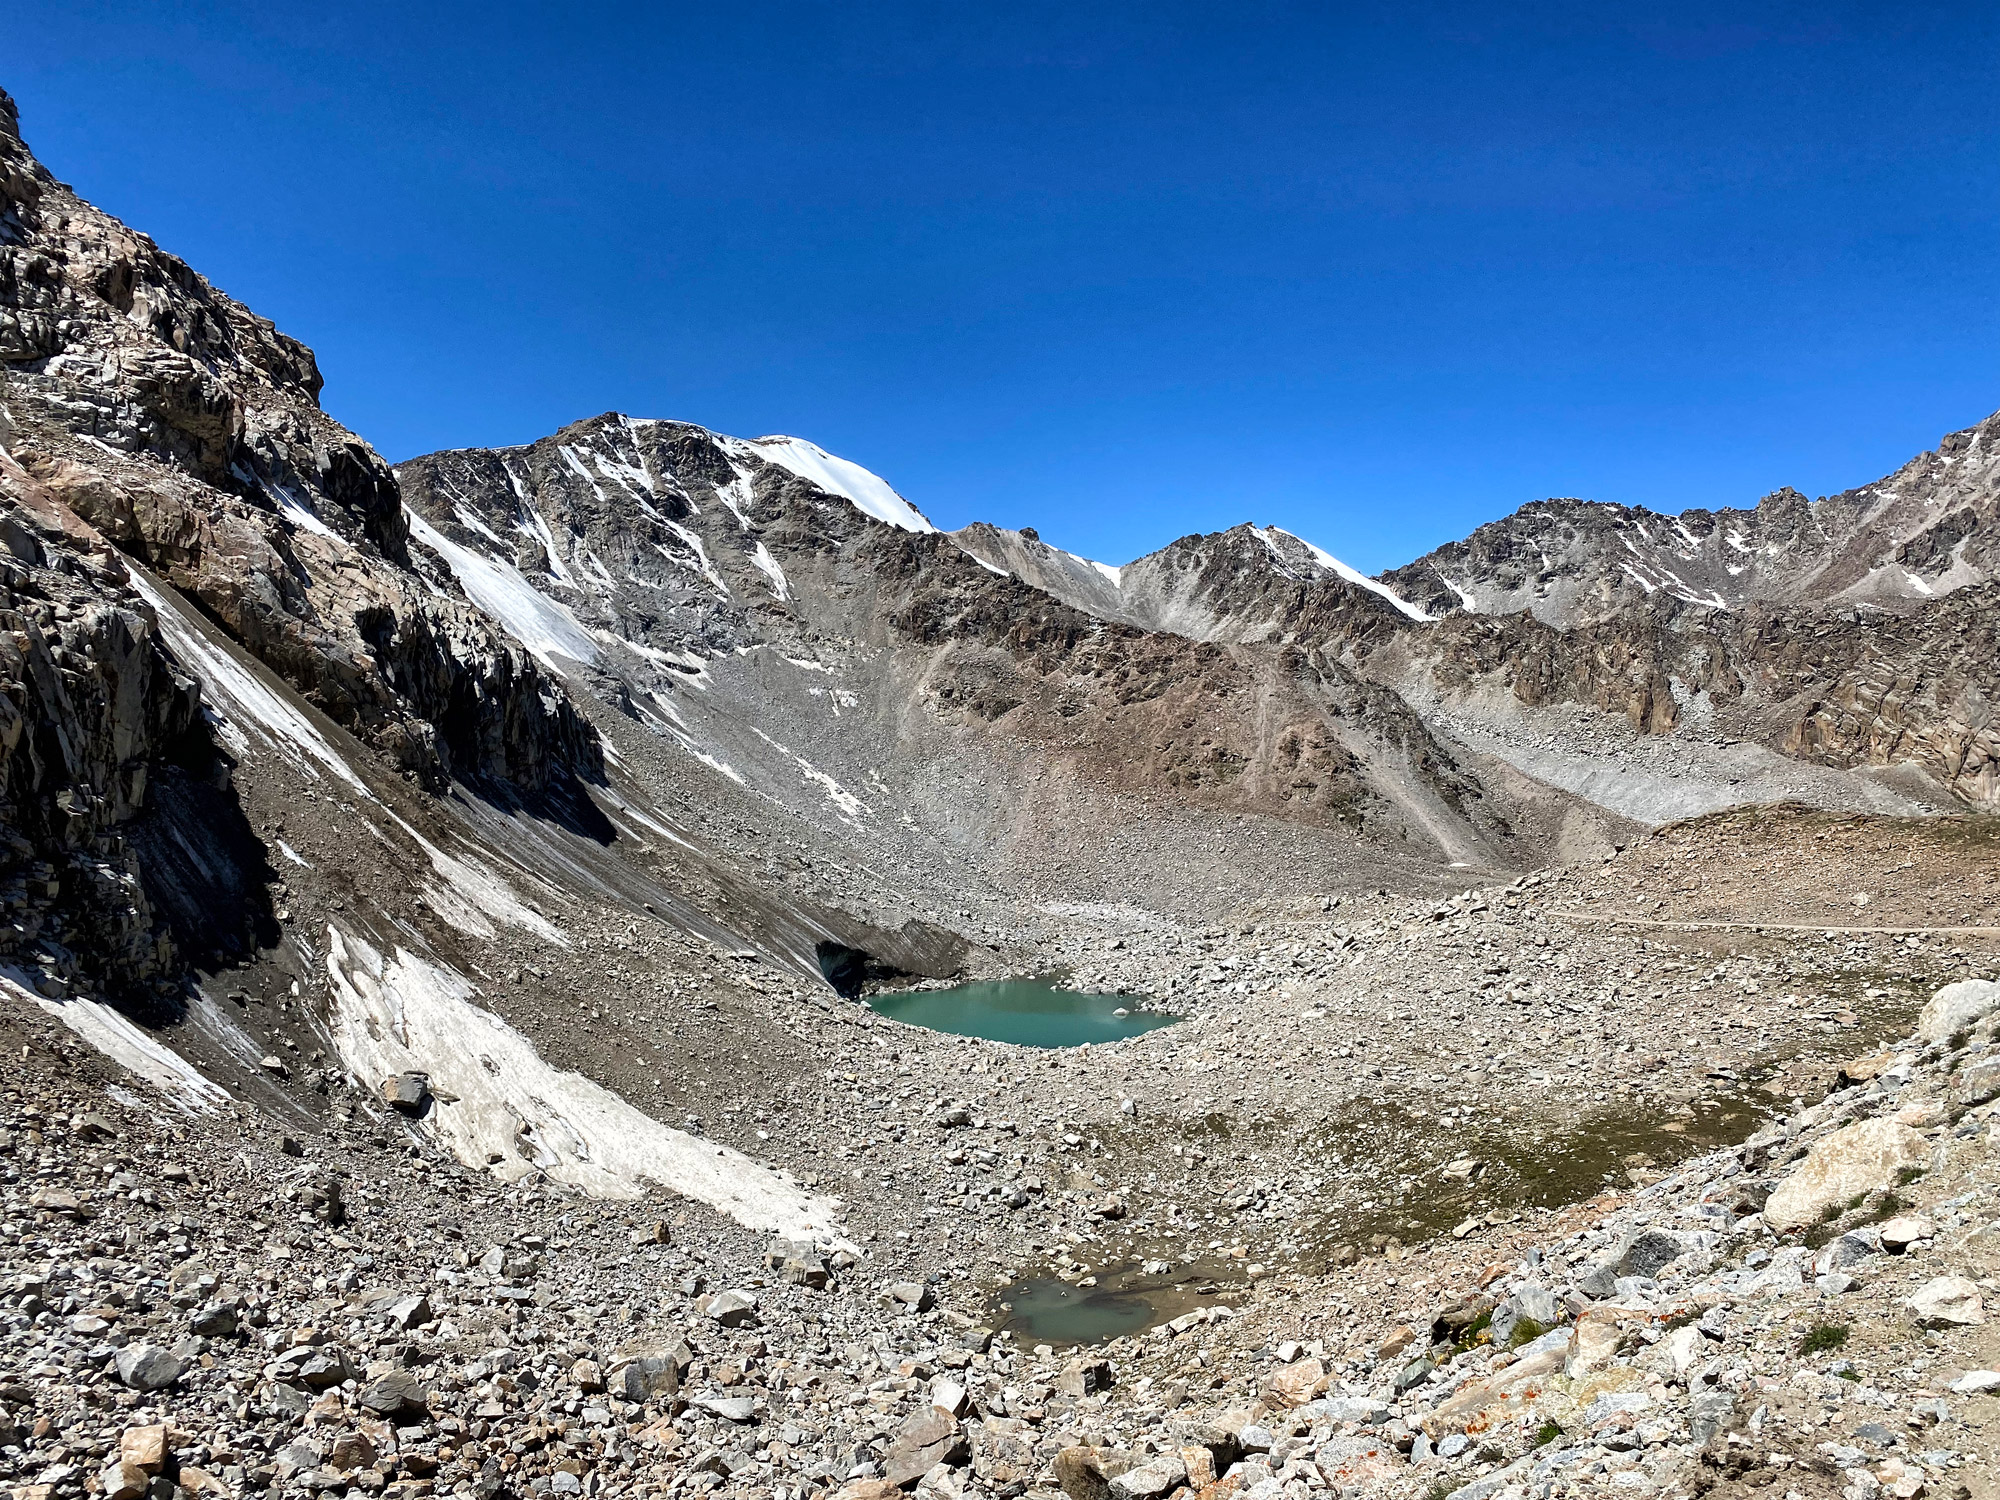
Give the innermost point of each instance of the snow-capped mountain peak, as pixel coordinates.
(870, 492)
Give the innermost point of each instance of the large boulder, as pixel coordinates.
(1647, 1252)
(407, 1093)
(1295, 1384)
(647, 1373)
(1863, 1158)
(1085, 1473)
(1977, 1083)
(1957, 1006)
(1157, 1477)
(146, 1367)
(395, 1393)
(1084, 1375)
(931, 1437)
(1948, 1302)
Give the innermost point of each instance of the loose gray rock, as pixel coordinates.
(1709, 1413)
(732, 1309)
(738, 1409)
(395, 1393)
(1084, 1375)
(1948, 1302)
(1648, 1252)
(1151, 1479)
(1862, 1158)
(147, 1367)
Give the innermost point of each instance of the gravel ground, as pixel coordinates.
(1373, 1103)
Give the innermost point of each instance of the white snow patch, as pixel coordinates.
(714, 764)
(870, 493)
(593, 566)
(292, 508)
(469, 519)
(693, 542)
(576, 466)
(235, 693)
(988, 566)
(293, 855)
(736, 494)
(136, 1051)
(850, 806)
(405, 1014)
(1464, 595)
(645, 819)
(472, 893)
(1107, 570)
(538, 622)
(1355, 576)
(763, 559)
(533, 525)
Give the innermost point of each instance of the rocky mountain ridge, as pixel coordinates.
(1893, 545)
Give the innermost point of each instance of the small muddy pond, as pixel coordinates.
(1049, 1310)
(1025, 1012)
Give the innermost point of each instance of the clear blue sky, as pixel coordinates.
(1375, 273)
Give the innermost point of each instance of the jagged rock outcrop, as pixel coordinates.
(186, 429)
(1253, 583)
(1092, 587)
(94, 712)
(147, 421)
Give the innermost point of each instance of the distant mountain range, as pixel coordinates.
(756, 661)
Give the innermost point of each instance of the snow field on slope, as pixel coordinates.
(235, 694)
(870, 493)
(1353, 575)
(124, 1043)
(404, 1014)
(538, 622)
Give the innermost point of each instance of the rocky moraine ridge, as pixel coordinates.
(440, 902)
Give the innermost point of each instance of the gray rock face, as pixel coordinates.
(152, 421)
(187, 431)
